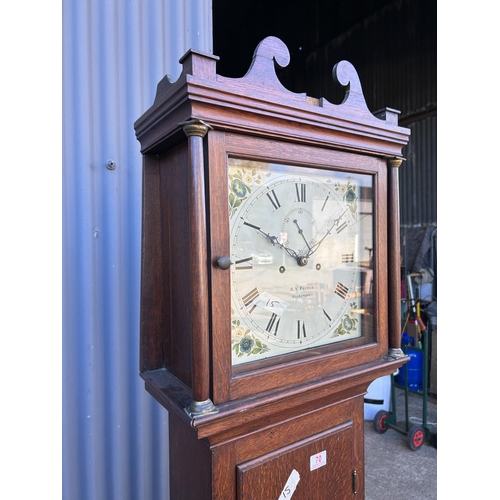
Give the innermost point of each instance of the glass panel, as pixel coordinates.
(301, 248)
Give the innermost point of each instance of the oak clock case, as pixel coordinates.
(270, 277)
(301, 240)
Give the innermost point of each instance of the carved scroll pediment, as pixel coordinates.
(259, 103)
(262, 71)
(262, 75)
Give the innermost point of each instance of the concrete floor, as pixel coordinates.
(392, 469)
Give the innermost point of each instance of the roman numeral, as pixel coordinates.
(242, 263)
(323, 207)
(301, 192)
(326, 314)
(250, 297)
(347, 257)
(341, 290)
(301, 329)
(341, 227)
(251, 225)
(273, 199)
(273, 323)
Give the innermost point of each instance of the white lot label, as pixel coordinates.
(318, 460)
(290, 486)
(271, 303)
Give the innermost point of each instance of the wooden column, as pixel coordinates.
(201, 404)
(394, 254)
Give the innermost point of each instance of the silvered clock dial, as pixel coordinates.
(301, 241)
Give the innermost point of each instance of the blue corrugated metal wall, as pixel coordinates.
(115, 435)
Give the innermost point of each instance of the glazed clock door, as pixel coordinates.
(300, 240)
(297, 287)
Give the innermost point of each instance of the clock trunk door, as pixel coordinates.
(314, 469)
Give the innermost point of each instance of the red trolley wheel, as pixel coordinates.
(416, 437)
(379, 422)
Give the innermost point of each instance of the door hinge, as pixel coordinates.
(354, 481)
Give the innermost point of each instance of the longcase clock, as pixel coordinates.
(270, 277)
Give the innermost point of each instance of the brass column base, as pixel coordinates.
(395, 353)
(197, 408)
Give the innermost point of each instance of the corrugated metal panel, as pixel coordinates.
(394, 52)
(115, 435)
(418, 175)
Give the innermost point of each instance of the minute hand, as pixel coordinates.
(329, 230)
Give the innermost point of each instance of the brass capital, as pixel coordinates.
(195, 127)
(395, 162)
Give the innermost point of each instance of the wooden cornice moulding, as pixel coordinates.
(239, 104)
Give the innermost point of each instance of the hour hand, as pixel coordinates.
(273, 240)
